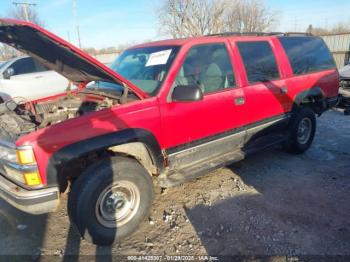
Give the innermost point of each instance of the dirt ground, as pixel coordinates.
(272, 203)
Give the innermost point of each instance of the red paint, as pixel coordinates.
(175, 123)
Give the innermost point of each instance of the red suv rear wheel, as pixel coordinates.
(301, 131)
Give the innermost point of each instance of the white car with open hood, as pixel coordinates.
(27, 79)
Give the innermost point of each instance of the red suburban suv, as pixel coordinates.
(167, 111)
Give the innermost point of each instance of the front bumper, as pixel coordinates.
(39, 201)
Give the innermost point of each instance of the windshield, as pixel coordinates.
(146, 67)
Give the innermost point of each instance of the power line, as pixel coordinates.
(24, 6)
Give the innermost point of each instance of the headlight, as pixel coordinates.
(8, 154)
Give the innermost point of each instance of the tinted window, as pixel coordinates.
(307, 54)
(259, 61)
(207, 66)
(24, 66)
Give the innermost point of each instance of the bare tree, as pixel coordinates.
(340, 28)
(249, 16)
(336, 29)
(7, 52)
(18, 12)
(183, 18)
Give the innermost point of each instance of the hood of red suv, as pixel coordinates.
(59, 55)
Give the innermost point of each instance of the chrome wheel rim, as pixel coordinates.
(304, 130)
(117, 204)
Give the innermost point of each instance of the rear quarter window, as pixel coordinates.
(307, 54)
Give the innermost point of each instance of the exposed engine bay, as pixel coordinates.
(22, 117)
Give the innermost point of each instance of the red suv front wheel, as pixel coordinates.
(110, 199)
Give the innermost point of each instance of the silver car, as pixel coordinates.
(26, 78)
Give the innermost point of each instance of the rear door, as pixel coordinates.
(200, 130)
(265, 89)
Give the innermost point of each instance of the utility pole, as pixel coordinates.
(24, 6)
(75, 13)
(295, 24)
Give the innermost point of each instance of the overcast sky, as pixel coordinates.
(106, 23)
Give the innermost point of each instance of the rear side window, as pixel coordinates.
(307, 54)
(259, 61)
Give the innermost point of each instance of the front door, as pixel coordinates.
(200, 130)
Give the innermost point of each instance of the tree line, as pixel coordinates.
(188, 18)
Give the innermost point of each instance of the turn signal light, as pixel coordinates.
(32, 179)
(26, 156)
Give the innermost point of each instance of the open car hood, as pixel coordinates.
(59, 55)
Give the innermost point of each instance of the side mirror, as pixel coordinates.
(187, 93)
(8, 73)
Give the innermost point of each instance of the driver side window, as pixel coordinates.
(207, 66)
(24, 66)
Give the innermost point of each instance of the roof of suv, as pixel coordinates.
(214, 37)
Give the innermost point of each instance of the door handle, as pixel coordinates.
(284, 90)
(239, 101)
(38, 77)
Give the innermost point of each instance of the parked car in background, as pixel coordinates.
(26, 78)
(344, 90)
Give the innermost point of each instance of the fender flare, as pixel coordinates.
(61, 159)
(315, 93)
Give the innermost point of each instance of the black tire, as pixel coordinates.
(295, 144)
(86, 214)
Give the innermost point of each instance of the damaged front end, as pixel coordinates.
(18, 118)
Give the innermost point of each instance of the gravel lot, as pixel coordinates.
(270, 204)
